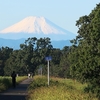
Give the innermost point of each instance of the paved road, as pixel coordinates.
(19, 93)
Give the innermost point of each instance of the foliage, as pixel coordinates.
(31, 57)
(31, 54)
(39, 81)
(84, 57)
(4, 55)
(5, 82)
(64, 63)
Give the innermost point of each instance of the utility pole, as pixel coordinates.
(41, 71)
(48, 59)
(48, 73)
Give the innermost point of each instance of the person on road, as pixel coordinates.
(13, 75)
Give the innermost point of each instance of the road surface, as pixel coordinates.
(18, 93)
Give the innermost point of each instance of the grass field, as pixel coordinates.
(59, 89)
(5, 82)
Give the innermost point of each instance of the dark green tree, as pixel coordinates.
(55, 62)
(4, 55)
(85, 57)
(64, 63)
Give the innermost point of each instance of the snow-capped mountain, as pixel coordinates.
(36, 27)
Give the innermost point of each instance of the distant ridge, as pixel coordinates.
(15, 44)
(36, 27)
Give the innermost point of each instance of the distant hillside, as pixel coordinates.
(61, 43)
(15, 44)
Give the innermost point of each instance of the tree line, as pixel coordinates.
(31, 57)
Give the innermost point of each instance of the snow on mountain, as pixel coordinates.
(37, 27)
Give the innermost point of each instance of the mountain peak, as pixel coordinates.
(33, 25)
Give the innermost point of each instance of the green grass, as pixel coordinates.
(5, 82)
(59, 89)
(20, 79)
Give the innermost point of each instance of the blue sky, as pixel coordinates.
(64, 13)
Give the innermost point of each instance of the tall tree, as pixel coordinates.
(4, 55)
(87, 66)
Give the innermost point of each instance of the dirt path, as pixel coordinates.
(18, 93)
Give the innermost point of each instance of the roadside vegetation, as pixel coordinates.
(5, 82)
(59, 89)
